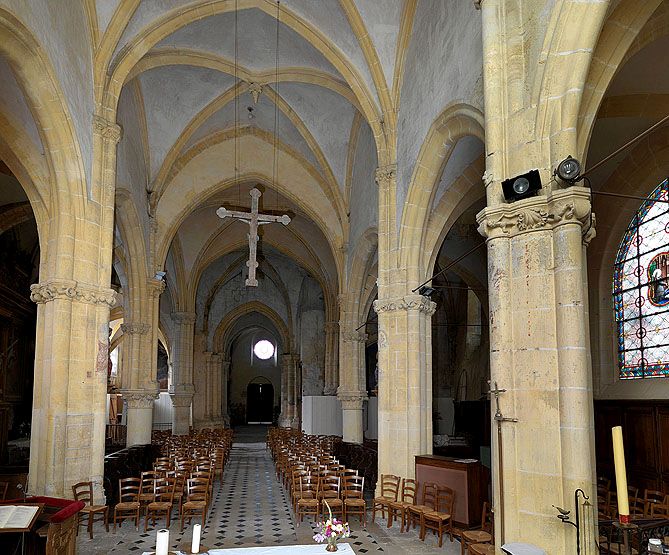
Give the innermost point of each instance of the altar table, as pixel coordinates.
(314, 549)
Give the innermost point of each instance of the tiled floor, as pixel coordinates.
(252, 509)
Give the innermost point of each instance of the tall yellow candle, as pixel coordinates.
(621, 474)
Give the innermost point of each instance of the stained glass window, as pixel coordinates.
(641, 290)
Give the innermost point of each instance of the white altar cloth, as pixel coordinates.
(314, 549)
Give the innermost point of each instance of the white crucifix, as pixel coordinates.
(254, 220)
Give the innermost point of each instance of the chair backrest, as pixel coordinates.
(659, 510)
(445, 500)
(409, 490)
(165, 488)
(354, 487)
(329, 486)
(430, 494)
(128, 489)
(653, 496)
(486, 520)
(198, 489)
(308, 485)
(148, 482)
(83, 491)
(390, 485)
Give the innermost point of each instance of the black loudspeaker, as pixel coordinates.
(521, 186)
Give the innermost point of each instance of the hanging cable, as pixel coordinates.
(275, 163)
(236, 93)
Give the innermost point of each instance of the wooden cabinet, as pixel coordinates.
(469, 481)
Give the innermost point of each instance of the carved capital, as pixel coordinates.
(184, 317)
(135, 329)
(53, 289)
(156, 287)
(107, 130)
(562, 207)
(385, 174)
(351, 400)
(353, 336)
(408, 302)
(181, 400)
(139, 398)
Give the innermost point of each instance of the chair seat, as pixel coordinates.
(159, 506)
(381, 500)
(477, 536)
(94, 509)
(399, 505)
(420, 508)
(355, 502)
(144, 497)
(482, 549)
(127, 506)
(307, 503)
(194, 505)
(333, 501)
(434, 515)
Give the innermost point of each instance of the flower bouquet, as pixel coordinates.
(331, 531)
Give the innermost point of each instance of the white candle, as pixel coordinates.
(162, 542)
(195, 546)
(621, 474)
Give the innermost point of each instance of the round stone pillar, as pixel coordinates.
(352, 425)
(139, 416)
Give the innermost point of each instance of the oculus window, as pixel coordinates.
(263, 349)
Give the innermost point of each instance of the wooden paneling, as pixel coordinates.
(646, 436)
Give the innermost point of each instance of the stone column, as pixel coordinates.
(290, 378)
(225, 373)
(69, 415)
(352, 390)
(205, 397)
(405, 382)
(138, 385)
(182, 388)
(139, 415)
(67, 444)
(539, 353)
(331, 358)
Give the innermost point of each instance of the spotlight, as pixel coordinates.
(426, 291)
(569, 170)
(521, 186)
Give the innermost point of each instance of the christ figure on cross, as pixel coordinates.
(254, 219)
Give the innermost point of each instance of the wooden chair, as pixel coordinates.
(482, 536)
(406, 499)
(83, 491)
(482, 549)
(147, 488)
(414, 512)
(354, 502)
(197, 502)
(162, 504)
(308, 503)
(390, 485)
(329, 490)
(651, 497)
(128, 505)
(441, 518)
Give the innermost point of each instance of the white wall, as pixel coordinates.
(321, 415)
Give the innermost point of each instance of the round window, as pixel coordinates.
(263, 349)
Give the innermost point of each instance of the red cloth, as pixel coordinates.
(67, 507)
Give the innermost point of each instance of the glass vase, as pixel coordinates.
(332, 544)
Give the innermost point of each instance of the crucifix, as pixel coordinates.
(254, 219)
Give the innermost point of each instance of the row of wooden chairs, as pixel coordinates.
(653, 503)
(317, 496)
(398, 498)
